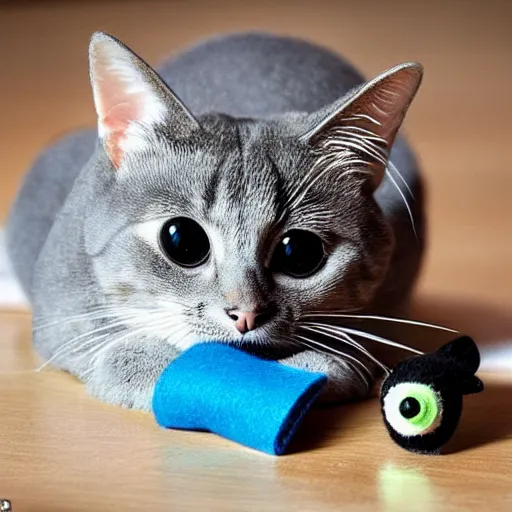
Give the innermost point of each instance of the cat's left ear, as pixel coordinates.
(131, 100)
(361, 128)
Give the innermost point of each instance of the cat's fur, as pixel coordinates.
(269, 115)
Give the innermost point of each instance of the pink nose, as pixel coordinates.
(246, 320)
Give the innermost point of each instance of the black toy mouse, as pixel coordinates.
(421, 399)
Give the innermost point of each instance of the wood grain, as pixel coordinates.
(61, 450)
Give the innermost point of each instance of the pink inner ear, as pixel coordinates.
(116, 122)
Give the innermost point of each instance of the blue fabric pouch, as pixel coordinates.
(218, 388)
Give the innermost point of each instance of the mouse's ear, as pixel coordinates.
(131, 100)
(359, 130)
(464, 352)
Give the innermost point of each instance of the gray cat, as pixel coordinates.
(253, 204)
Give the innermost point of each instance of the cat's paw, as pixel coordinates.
(125, 374)
(343, 382)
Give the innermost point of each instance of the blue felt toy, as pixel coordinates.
(217, 388)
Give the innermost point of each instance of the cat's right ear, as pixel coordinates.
(131, 100)
(360, 129)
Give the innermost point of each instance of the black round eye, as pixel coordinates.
(409, 407)
(185, 242)
(298, 254)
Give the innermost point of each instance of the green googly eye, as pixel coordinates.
(412, 409)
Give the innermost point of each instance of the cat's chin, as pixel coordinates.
(269, 351)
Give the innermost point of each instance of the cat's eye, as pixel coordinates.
(185, 242)
(299, 253)
(412, 409)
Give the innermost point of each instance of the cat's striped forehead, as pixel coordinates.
(248, 184)
(246, 192)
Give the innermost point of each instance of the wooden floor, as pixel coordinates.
(61, 450)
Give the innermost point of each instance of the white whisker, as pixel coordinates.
(379, 339)
(332, 333)
(409, 211)
(67, 348)
(392, 166)
(363, 146)
(333, 314)
(338, 352)
(307, 342)
(83, 317)
(321, 329)
(359, 117)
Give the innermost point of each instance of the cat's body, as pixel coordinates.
(70, 239)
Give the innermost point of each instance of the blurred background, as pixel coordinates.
(459, 124)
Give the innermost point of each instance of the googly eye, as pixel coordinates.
(413, 409)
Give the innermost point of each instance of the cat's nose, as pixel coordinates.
(248, 320)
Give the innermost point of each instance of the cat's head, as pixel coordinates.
(230, 229)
